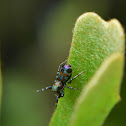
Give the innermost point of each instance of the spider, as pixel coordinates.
(63, 75)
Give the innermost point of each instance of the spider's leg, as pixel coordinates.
(72, 88)
(60, 66)
(43, 89)
(57, 98)
(75, 77)
(63, 63)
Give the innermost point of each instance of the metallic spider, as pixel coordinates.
(63, 75)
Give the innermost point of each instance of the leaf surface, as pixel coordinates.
(94, 40)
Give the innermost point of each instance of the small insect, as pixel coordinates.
(63, 75)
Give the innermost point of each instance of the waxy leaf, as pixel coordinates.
(97, 47)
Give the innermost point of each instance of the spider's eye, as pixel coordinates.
(69, 70)
(62, 70)
(69, 65)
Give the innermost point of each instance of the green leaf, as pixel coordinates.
(100, 94)
(94, 40)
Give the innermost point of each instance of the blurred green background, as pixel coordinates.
(35, 38)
